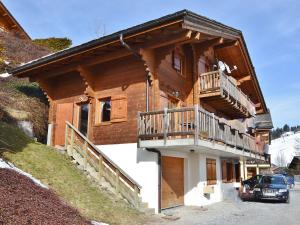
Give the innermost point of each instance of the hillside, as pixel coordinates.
(57, 172)
(21, 103)
(283, 149)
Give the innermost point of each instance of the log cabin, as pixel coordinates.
(164, 110)
(9, 24)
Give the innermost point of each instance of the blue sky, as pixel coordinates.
(271, 29)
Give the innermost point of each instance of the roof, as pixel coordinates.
(186, 16)
(11, 20)
(183, 14)
(263, 121)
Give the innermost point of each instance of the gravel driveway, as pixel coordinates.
(237, 212)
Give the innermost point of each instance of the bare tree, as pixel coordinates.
(280, 159)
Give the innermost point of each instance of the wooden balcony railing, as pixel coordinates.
(192, 123)
(218, 81)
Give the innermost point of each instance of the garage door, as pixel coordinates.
(172, 182)
(64, 112)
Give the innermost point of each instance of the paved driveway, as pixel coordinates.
(235, 211)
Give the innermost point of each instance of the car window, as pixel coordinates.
(273, 180)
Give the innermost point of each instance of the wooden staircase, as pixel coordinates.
(99, 166)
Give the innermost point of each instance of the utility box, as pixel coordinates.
(208, 189)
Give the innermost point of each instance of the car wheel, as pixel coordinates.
(287, 200)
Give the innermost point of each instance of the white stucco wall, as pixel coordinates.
(140, 164)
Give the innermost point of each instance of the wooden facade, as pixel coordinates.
(175, 55)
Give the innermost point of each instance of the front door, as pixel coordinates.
(64, 112)
(172, 182)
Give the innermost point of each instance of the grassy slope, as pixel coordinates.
(56, 171)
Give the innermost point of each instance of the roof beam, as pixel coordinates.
(242, 80)
(228, 44)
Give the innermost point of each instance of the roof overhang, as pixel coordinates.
(187, 20)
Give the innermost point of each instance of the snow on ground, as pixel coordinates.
(8, 165)
(4, 75)
(283, 149)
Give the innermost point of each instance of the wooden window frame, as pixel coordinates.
(177, 53)
(210, 177)
(98, 111)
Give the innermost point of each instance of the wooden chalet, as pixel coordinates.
(9, 24)
(167, 107)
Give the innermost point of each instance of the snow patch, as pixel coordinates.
(4, 75)
(27, 127)
(97, 223)
(8, 165)
(283, 149)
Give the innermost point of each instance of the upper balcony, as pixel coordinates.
(194, 128)
(222, 93)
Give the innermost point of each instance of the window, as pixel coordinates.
(228, 171)
(211, 174)
(111, 109)
(105, 109)
(178, 61)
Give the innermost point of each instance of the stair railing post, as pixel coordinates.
(66, 138)
(100, 167)
(85, 150)
(136, 196)
(117, 181)
(72, 142)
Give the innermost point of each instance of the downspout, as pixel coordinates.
(138, 55)
(159, 174)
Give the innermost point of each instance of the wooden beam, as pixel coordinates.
(189, 34)
(209, 43)
(242, 80)
(197, 37)
(258, 105)
(164, 41)
(227, 44)
(87, 77)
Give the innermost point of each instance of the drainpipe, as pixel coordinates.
(159, 174)
(138, 55)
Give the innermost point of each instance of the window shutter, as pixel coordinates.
(118, 108)
(224, 172)
(214, 172)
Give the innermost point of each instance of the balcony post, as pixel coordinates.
(196, 124)
(166, 125)
(213, 127)
(221, 82)
(139, 128)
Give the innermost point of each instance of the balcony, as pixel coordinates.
(222, 93)
(194, 127)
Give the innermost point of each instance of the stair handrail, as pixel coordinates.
(104, 155)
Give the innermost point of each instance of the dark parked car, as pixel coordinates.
(272, 187)
(246, 193)
(252, 181)
(290, 180)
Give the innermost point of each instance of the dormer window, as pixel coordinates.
(178, 61)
